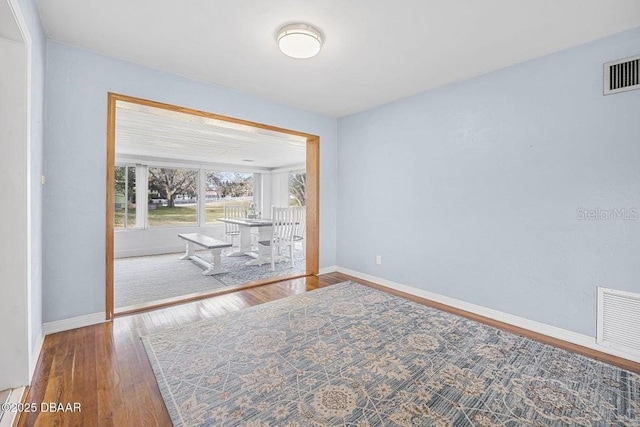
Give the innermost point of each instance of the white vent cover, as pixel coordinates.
(622, 75)
(619, 320)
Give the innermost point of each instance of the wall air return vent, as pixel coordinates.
(619, 320)
(622, 75)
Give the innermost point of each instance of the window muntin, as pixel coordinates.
(125, 197)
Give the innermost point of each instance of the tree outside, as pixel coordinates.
(168, 184)
(231, 184)
(121, 181)
(174, 186)
(298, 189)
(226, 188)
(125, 196)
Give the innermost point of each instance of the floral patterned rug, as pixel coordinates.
(350, 355)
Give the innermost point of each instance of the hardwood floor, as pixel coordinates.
(105, 367)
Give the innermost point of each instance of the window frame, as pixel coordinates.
(169, 165)
(205, 170)
(142, 192)
(127, 165)
(296, 171)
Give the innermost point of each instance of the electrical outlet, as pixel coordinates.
(43, 179)
(378, 259)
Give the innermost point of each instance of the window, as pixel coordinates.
(173, 197)
(298, 188)
(125, 197)
(226, 188)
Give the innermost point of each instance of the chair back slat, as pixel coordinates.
(283, 224)
(299, 221)
(233, 212)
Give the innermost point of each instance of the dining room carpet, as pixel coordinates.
(145, 279)
(350, 355)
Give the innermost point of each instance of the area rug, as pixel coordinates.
(349, 355)
(238, 273)
(145, 279)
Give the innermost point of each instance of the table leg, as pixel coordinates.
(245, 239)
(245, 242)
(216, 265)
(189, 252)
(264, 233)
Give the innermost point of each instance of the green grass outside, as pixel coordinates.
(177, 215)
(119, 218)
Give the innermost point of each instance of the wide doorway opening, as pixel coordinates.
(192, 198)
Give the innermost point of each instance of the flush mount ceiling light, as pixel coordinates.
(299, 41)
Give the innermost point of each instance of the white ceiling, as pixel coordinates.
(152, 133)
(374, 51)
(8, 26)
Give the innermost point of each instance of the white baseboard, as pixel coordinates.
(8, 418)
(148, 251)
(521, 322)
(35, 354)
(327, 270)
(73, 323)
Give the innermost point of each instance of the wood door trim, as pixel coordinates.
(313, 184)
(109, 220)
(312, 238)
(169, 302)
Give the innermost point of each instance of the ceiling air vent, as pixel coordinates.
(622, 75)
(619, 320)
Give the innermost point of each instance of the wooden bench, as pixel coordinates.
(215, 245)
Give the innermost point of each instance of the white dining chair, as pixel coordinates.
(281, 238)
(299, 227)
(233, 212)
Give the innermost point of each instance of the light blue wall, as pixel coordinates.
(38, 51)
(75, 163)
(472, 190)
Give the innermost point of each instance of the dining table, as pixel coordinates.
(264, 227)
